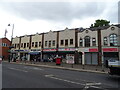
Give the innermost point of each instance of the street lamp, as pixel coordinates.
(11, 40)
(12, 30)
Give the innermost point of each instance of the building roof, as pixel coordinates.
(5, 38)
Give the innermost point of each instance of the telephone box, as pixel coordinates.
(58, 61)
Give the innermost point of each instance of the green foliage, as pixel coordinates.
(99, 23)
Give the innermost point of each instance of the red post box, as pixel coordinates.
(58, 61)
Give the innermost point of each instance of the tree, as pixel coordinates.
(100, 23)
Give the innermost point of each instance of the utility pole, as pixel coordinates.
(100, 51)
(99, 47)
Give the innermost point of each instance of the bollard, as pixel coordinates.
(72, 65)
(83, 67)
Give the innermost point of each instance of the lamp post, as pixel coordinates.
(12, 30)
(11, 40)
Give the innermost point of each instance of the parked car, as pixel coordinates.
(114, 67)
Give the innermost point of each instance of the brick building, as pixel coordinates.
(4, 48)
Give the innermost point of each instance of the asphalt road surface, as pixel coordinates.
(21, 76)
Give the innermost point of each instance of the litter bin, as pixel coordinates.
(58, 61)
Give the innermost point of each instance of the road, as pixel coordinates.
(21, 76)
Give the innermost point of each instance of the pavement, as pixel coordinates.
(74, 67)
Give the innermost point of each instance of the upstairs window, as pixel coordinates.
(17, 45)
(71, 41)
(21, 45)
(45, 43)
(32, 44)
(53, 43)
(24, 45)
(66, 42)
(27, 44)
(113, 40)
(105, 41)
(93, 41)
(36, 44)
(39, 44)
(49, 43)
(81, 42)
(62, 42)
(87, 41)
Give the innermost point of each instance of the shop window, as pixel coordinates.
(32, 44)
(93, 42)
(105, 41)
(24, 45)
(113, 40)
(36, 44)
(49, 43)
(87, 41)
(66, 42)
(62, 42)
(81, 42)
(45, 43)
(39, 44)
(27, 44)
(53, 43)
(71, 41)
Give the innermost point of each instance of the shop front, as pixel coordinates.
(49, 54)
(91, 56)
(35, 55)
(13, 54)
(24, 55)
(110, 53)
(66, 53)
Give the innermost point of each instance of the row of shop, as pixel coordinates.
(68, 55)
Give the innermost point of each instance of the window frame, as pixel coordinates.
(87, 41)
(53, 43)
(66, 42)
(93, 41)
(61, 42)
(71, 41)
(80, 42)
(113, 39)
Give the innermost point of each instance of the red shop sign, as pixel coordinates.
(49, 49)
(93, 50)
(110, 49)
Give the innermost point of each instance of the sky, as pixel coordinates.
(38, 16)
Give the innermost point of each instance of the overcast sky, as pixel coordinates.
(32, 16)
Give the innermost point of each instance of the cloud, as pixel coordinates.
(54, 11)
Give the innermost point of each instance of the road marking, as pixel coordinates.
(35, 68)
(49, 75)
(53, 77)
(90, 84)
(87, 85)
(18, 69)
